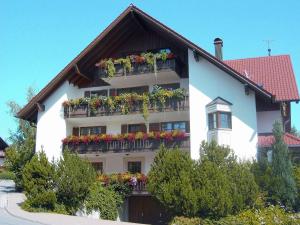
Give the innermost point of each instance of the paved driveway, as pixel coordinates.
(5, 217)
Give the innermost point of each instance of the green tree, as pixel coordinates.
(171, 181)
(224, 185)
(295, 132)
(22, 142)
(39, 182)
(103, 200)
(283, 187)
(74, 179)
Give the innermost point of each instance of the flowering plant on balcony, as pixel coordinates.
(127, 102)
(123, 178)
(147, 57)
(105, 138)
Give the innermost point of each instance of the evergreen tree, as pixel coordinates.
(39, 182)
(283, 187)
(22, 146)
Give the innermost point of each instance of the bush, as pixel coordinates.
(283, 187)
(171, 181)
(7, 175)
(103, 200)
(74, 179)
(224, 186)
(269, 216)
(38, 181)
(180, 220)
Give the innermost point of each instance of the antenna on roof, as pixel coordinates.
(269, 47)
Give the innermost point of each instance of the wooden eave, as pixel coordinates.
(122, 28)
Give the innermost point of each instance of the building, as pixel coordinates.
(3, 146)
(98, 103)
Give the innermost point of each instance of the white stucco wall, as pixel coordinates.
(206, 82)
(51, 125)
(266, 119)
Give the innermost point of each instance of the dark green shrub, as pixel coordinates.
(7, 175)
(283, 187)
(103, 200)
(74, 178)
(223, 185)
(38, 181)
(180, 220)
(171, 181)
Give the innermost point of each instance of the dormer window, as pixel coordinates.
(219, 121)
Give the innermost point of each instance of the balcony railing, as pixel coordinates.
(127, 146)
(85, 110)
(142, 68)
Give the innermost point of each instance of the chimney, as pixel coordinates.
(218, 48)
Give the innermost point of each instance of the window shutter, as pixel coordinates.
(143, 128)
(187, 126)
(76, 131)
(123, 128)
(87, 94)
(154, 127)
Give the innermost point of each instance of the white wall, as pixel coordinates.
(51, 125)
(266, 119)
(206, 82)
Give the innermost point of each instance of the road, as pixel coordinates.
(5, 217)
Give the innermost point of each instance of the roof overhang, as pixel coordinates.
(29, 112)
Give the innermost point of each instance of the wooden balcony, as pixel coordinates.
(127, 146)
(165, 71)
(85, 110)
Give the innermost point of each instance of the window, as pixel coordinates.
(218, 120)
(90, 94)
(92, 130)
(138, 90)
(170, 126)
(134, 128)
(172, 86)
(134, 166)
(98, 166)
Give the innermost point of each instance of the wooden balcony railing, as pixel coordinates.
(127, 146)
(85, 110)
(142, 68)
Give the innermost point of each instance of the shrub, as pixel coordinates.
(223, 185)
(180, 220)
(103, 200)
(7, 175)
(283, 187)
(38, 180)
(171, 181)
(74, 178)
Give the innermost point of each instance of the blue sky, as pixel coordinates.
(38, 38)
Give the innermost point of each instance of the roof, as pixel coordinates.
(267, 140)
(220, 101)
(3, 144)
(29, 112)
(274, 73)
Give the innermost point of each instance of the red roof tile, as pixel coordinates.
(268, 139)
(275, 73)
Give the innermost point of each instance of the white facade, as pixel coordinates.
(266, 119)
(207, 82)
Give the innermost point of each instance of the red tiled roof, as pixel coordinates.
(275, 73)
(267, 140)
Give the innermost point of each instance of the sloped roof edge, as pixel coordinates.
(61, 76)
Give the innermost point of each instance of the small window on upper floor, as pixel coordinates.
(219, 114)
(92, 130)
(170, 126)
(134, 167)
(90, 94)
(217, 120)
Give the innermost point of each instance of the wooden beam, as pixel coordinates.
(81, 74)
(41, 107)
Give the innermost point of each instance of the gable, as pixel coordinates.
(112, 42)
